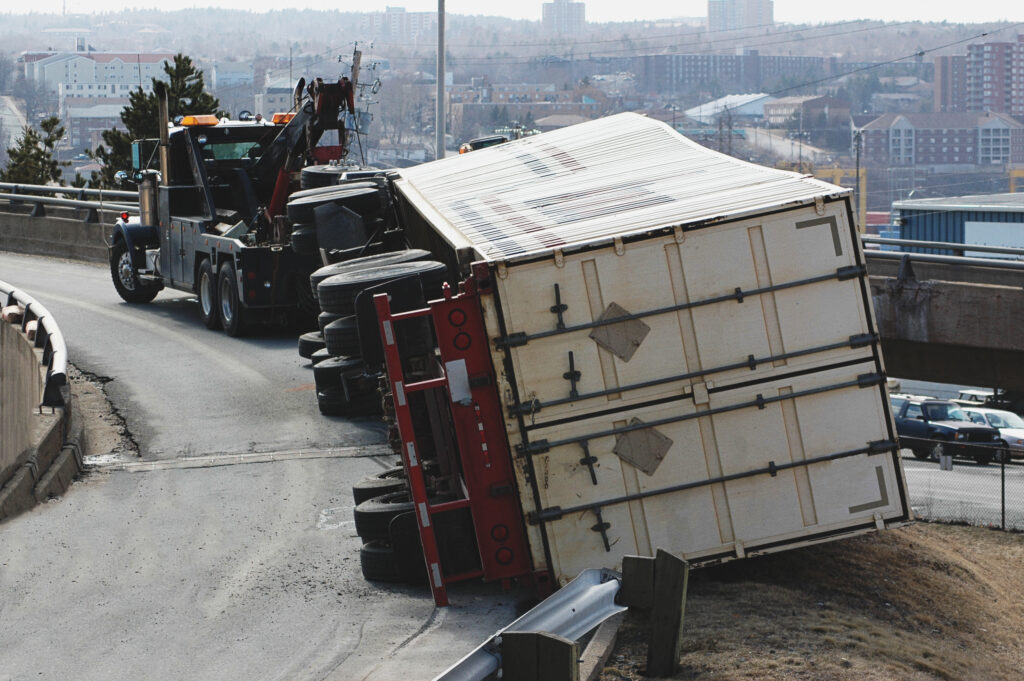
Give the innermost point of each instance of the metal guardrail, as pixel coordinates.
(17, 195)
(81, 192)
(994, 263)
(49, 338)
(940, 245)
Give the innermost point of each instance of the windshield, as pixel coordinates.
(944, 411)
(1004, 419)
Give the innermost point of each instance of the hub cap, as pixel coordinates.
(227, 312)
(126, 271)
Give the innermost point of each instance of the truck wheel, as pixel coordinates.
(920, 453)
(207, 289)
(373, 516)
(338, 293)
(366, 262)
(310, 343)
(126, 279)
(386, 482)
(983, 459)
(342, 337)
(231, 312)
(379, 562)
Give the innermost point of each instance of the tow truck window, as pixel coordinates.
(232, 150)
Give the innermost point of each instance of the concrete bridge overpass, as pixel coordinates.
(951, 319)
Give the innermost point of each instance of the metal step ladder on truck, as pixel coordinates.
(214, 220)
(643, 344)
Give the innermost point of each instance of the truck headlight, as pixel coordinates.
(961, 436)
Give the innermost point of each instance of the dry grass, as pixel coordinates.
(919, 603)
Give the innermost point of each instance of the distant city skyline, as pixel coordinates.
(786, 11)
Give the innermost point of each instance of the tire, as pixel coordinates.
(920, 453)
(354, 196)
(126, 278)
(387, 481)
(304, 241)
(320, 176)
(319, 356)
(230, 310)
(338, 293)
(983, 459)
(325, 318)
(373, 516)
(206, 287)
(310, 343)
(342, 337)
(332, 401)
(330, 372)
(378, 562)
(367, 262)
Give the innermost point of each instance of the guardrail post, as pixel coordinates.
(38, 210)
(538, 656)
(91, 215)
(671, 577)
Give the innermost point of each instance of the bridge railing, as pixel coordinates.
(40, 196)
(49, 338)
(1014, 261)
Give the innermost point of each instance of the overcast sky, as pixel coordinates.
(789, 11)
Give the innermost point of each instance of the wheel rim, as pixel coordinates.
(227, 311)
(206, 294)
(126, 271)
(937, 451)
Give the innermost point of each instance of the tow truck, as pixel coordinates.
(212, 219)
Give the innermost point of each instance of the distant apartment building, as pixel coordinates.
(808, 109)
(733, 15)
(397, 24)
(87, 120)
(950, 84)
(990, 77)
(563, 16)
(748, 71)
(942, 139)
(52, 69)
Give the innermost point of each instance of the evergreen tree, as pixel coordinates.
(31, 160)
(186, 94)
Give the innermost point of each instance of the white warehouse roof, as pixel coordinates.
(615, 176)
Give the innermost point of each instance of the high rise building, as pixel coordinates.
(563, 16)
(732, 15)
(950, 84)
(990, 77)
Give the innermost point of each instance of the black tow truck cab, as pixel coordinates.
(933, 428)
(212, 220)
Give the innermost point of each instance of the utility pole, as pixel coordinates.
(857, 190)
(439, 118)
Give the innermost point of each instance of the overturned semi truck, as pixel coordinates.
(643, 344)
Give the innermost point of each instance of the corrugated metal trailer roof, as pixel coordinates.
(612, 177)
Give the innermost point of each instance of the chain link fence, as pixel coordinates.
(959, 489)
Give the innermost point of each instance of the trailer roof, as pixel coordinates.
(616, 176)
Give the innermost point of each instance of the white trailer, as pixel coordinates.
(682, 343)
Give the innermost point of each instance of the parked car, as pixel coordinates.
(1009, 425)
(932, 428)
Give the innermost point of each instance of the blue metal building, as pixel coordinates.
(986, 219)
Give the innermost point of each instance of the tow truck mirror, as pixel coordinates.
(121, 177)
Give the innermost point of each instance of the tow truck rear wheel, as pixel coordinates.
(230, 310)
(126, 278)
(207, 289)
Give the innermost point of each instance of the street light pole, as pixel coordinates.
(439, 118)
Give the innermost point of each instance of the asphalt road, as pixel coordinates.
(227, 550)
(968, 493)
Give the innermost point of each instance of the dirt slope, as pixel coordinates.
(919, 603)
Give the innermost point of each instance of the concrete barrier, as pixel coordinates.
(61, 233)
(40, 447)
